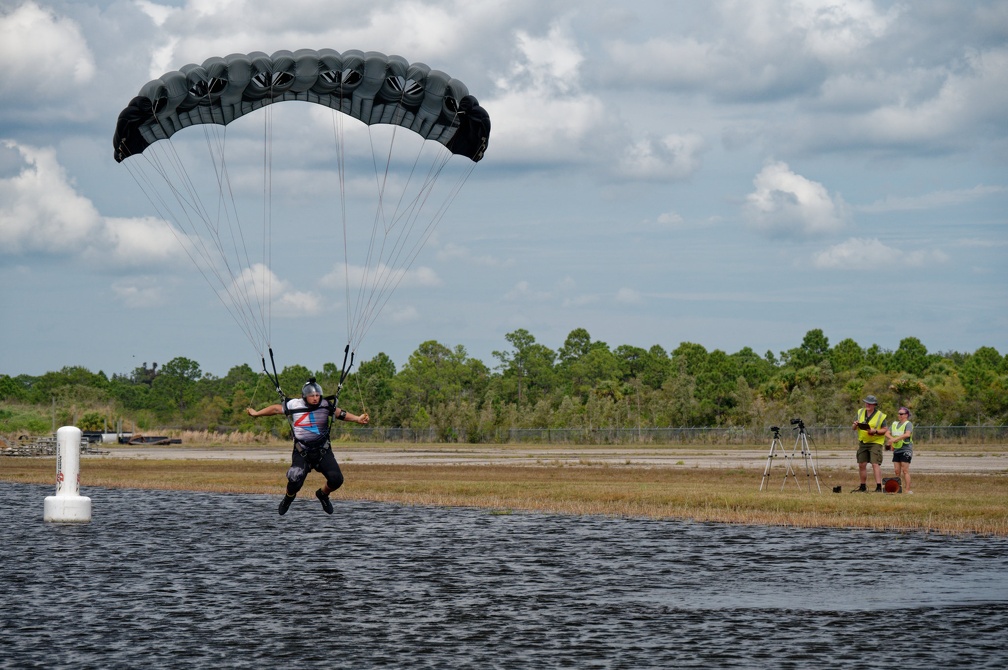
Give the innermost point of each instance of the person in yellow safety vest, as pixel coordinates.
(871, 429)
(900, 438)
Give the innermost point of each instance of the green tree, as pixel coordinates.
(911, 356)
(846, 355)
(878, 358)
(12, 390)
(527, 367)
(676, 401)
(372, 382)
(175, 385)
(754, 369)
(716, 386)
(986, 397)
(437, 378)
(576, 346)
(655, 367)
(813, 350)
(293, 378)
(596, 367)
(631, 361)
(692, 355)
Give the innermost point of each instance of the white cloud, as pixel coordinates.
(42, 54)
(523, 292)
(976, 93)
(950, 105)
(381, 276)
(932, 200)
(140, 241)
(157, 13)
(42, 212)
(665, 158)
(452, 251)
(629, 296)
(417, 30)
(786, 202)
(670, 218)
(138, 292)
(541, 111)
(407, 314)
(761, 49)
(871, 254)
(839, 31)
(263, 286)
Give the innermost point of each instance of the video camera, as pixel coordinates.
(799, 423)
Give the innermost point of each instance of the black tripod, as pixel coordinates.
(806, 454)
(775, 445)
(802, 439)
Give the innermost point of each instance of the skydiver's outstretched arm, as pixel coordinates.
(271, 410)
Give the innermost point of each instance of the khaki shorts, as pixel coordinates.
(869, 452)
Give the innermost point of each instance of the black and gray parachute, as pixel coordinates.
(378, 195)
(371, 87)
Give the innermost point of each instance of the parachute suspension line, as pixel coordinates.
(190, 205)
(211, 259)
(375, 292)
(338, 138)
(406, 222)
(403, 254)
(249, 299)
(255, 391)
(239, 286)
(368, 285)
(266, 277)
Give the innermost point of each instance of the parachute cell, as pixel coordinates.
(371, 87)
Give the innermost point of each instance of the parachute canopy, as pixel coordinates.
(380, 207)
(371, 87)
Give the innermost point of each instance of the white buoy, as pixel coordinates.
(68, 505)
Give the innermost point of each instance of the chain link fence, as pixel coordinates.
(823, 436)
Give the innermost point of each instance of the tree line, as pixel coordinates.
(585, 384)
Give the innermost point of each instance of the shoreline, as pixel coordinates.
(959, 490)
(991, 461)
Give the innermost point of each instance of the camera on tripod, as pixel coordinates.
(801, 440)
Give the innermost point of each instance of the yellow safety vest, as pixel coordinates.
(896, 430)
(876, 421)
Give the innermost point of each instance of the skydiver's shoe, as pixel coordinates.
(324, 499)
(878, 488)
(860, 489)
(285, 504)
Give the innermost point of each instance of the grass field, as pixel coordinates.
(942, 503)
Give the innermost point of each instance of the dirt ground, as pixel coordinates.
(985, 462)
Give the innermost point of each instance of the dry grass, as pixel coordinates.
(947, 503)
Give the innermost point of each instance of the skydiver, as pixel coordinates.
(311, 417)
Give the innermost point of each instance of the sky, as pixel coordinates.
(728, 173)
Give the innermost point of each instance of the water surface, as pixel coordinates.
(182, 580)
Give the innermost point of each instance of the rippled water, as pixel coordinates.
(181, 580)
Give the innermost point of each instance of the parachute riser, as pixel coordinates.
(275, 378)
(345, 371)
